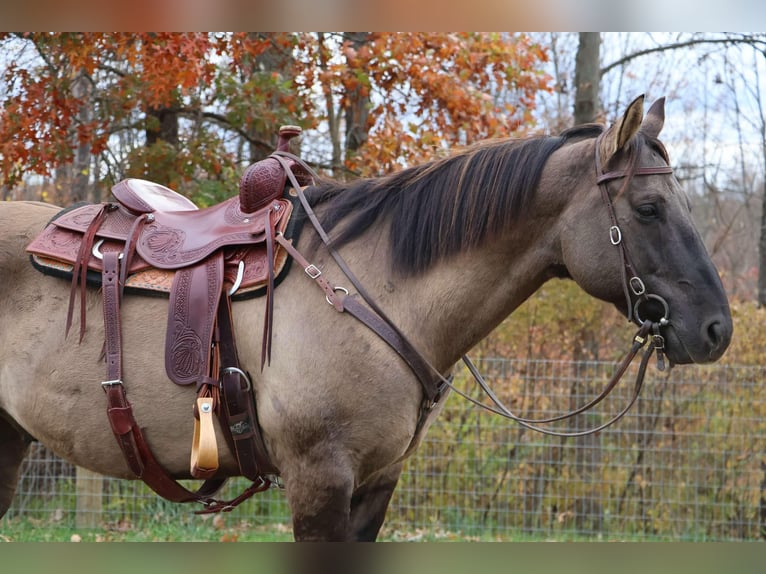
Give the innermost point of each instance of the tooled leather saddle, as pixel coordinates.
(153, 240)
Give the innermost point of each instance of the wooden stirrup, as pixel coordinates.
(204, 454)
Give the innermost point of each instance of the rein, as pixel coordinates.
(435, 383)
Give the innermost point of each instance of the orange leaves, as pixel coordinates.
(454, 88)
(173, 64)
(403, 95)
(46, 113)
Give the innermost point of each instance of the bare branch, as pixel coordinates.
(753, 40)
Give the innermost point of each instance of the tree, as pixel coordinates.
(189, 109)
(587, 78)
(179, 90)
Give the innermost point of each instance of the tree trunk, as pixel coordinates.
(762, 252)
(587, 78)
(82, 157)
(358, 108)
(333, 119)
(164, 126)
(271, 61)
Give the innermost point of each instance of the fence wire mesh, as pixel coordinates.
(687, 463)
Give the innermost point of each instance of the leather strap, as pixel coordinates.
(129, 437)
(639, 340)
(80, 270)
(237, 396)
(129, 250)
(431, 380)
(371, 319)
(268, 317)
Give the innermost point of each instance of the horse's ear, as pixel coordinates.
(623, 130)
(655, 119)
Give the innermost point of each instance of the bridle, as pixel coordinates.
(632, 283)
(633, 287)
(434, 382)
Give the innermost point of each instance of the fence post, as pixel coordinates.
(90, 489)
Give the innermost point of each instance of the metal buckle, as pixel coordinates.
(111, 383)
(238, 280)
(241, 373)
(96, 251)
(312, 271)
(275, 480)
(637, 286)
(343, 289)
(615, 235)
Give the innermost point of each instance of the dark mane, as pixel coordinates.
(445, 206)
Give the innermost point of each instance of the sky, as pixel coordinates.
(388, 15)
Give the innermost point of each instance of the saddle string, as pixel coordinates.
(632, 283)
(80, 272)
(269, 314)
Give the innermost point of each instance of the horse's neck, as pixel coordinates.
(451, 307)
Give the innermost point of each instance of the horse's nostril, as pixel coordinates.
(715, 332)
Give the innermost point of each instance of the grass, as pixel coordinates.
(214, 529)
(222, 528)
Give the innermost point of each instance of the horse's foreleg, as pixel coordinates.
(370, 503)
(14, 445)
(320, 499)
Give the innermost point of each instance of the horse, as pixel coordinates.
(448, 249)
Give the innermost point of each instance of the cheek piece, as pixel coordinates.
(636, 295)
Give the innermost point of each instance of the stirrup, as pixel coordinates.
(204, 454)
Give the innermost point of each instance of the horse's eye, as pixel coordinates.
(647, 210)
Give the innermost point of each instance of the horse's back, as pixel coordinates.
(20, 222)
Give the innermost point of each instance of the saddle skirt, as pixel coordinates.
(170, 241)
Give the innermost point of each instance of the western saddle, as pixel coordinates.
(153, 240)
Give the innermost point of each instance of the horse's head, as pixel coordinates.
(644, 248)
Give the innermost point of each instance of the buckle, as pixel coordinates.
(241, 373)
(637, 286)
(111, 383)
(312, 271)
(615, 235)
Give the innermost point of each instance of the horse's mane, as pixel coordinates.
(440, 208)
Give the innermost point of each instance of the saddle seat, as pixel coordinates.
(142, 196)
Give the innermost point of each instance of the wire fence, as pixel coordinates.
(688, 463)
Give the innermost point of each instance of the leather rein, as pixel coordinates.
(434, 383)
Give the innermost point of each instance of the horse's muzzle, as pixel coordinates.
(703, 343)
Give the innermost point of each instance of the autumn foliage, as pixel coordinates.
(190, 110)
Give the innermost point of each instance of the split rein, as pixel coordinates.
(633, 286)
